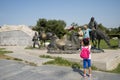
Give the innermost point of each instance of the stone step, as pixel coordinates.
(29, 58)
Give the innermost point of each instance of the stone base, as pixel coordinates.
(107, 60)
(96, 50)
(63, 51)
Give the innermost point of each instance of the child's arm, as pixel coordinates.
(89, 47)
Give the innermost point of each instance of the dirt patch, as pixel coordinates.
(6, 57)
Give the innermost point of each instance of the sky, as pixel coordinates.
(27, 12)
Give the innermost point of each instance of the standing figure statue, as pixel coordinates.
(36, 40)
(93, 34)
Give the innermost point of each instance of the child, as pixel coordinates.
(86, 62)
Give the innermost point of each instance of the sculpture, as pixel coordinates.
(64, 45)
(101, 35)
(44, 36)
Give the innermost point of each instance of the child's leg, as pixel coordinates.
(84, 66)
(84, 73)
(89, 65)
(90, 71)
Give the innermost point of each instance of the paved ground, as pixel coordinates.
(104, 61)
(12, 70)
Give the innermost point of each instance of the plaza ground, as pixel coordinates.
(12, 70)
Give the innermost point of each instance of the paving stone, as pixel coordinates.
(21, 71)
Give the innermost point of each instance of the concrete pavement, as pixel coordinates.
(104, 61)
(13, 70)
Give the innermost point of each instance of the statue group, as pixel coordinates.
(72, 42)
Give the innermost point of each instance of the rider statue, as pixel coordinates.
(93, 25)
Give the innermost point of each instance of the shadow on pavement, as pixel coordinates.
(78, 70)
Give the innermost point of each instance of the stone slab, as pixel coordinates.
(29, 58)
(21, 71)
(107, 60)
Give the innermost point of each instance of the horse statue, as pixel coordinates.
(99, 35)
(44, 36)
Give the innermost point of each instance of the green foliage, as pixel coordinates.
(41, 25)
(45, 56)
(115, 30)
(74, 24)
(60, 61)
(113, 42)
(94, 68)
(116, 70)
(54, 26)
(18, 59)
(109, 31)
(103, 28)
(3, 51)
(63, 62)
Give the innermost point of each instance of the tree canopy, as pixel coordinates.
(54, 26)
(58, 27)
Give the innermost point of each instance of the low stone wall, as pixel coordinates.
(20, 35)
(15, 38)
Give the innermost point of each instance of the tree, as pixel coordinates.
(74, 24)
(115, 30)
(54, 26)
(41, 25)
(104, 29)
(57, 27)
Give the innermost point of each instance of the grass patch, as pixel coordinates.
(60, 61)
(113, 43)
(31, 63)
(94, 68)
(116, 70)
(46, 56)
(17, 59)
(63, 62)
(3, 51)
(2, 56)
(29, 47)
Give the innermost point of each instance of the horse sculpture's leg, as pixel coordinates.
(98, 43)
(44, 43)
(94, 41)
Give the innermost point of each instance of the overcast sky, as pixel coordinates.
(27, 12)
